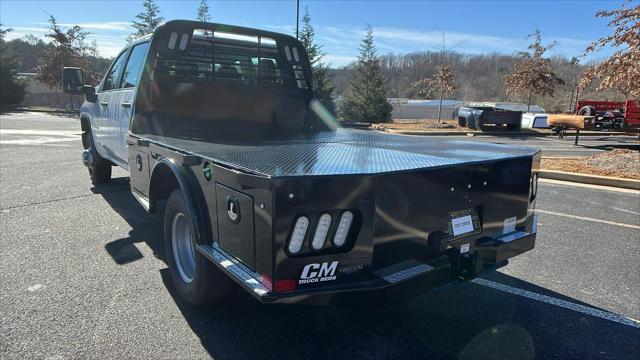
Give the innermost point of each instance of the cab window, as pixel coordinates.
(110, 80)
(134, 65)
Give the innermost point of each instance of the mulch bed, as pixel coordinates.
(621, 163)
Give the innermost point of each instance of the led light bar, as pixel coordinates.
(321, 232)
(343, 228)
(297, 236)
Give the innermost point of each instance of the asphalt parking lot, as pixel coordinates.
(82, 275)
(552, 146)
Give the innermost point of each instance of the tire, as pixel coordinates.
(587, 111)
(99, 168)
(196, 280)
(478, 123)
(462, 121)
(470, 124)
(514, 126)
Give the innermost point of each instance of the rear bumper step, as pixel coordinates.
(388, 285)
(507, 246)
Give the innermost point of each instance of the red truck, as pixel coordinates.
(622, 115)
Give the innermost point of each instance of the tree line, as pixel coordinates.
(359, 91)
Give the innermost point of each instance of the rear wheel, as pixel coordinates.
(587, 111)
(478, 123)
(99, 168)
(471, 124)
(462, 121)
(196, 280)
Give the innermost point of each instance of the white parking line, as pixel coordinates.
(36, 137)
(637, 227)
(561, 303)
(39, 132)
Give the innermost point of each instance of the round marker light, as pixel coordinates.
(321, 232)
(534, 185)
(343, 228)
(297, 236)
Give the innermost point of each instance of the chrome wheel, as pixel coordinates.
(182, 244)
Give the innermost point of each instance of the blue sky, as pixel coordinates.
(399, 26)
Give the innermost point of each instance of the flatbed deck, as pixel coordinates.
(343, 152)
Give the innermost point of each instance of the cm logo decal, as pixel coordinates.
(313, 273)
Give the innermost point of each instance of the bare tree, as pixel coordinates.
(534, 75)
(443, 81)
(621, 71)
(69, 49)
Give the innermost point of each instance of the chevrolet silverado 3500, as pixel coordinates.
(262, 186)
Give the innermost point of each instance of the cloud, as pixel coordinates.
(109, 25)
(27, 30)
(113, 25)
(338, 60)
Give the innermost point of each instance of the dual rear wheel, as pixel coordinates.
(196, 279)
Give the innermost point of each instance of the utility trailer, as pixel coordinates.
(620, 115)
(262, 187)
(476, 115)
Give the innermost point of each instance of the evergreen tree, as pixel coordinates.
(148, 20)
(366, 97)
(203, 11)
(321, 84)
(11, 89)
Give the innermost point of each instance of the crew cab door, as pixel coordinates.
(126, 97)
(104, 126)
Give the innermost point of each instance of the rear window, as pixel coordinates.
(227, 58)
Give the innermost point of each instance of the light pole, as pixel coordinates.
(297, 16)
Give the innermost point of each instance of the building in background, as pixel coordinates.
(39, 95)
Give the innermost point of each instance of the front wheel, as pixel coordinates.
(99, 168)
(196, 280)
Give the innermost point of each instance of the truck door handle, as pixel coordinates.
(233, 210)
(104, 103)
(126, 105)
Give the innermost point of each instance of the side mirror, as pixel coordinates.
(73, 81)
(90, 93)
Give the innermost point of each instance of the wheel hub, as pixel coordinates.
(182, 244)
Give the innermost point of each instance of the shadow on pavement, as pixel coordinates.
(145, 227)
(460, 320)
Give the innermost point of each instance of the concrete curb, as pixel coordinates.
(499, 133)
(590, 179)
(46, 111)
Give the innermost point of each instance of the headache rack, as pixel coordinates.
(225, 57)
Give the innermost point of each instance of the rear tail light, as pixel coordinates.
(298, 234)
(343, 228)
(285, 285)
(321, 232)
